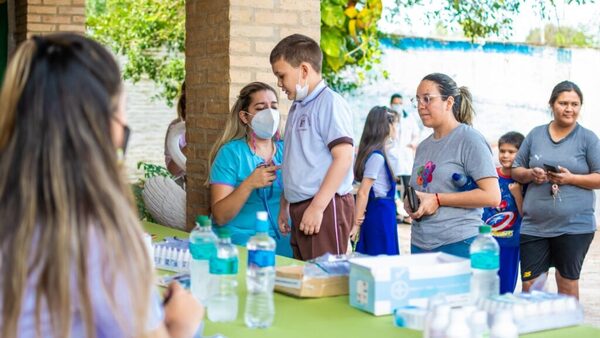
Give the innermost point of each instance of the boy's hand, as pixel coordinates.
(515, 188)
(311, 220)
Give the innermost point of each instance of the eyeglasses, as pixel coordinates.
(425, 100)
(126, 134)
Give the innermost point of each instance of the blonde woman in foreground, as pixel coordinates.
(73, 259)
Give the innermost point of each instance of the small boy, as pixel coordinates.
(505, 219)
(318, 153)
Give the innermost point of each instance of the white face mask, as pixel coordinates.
(265, 123)
(397, 107)
(301, 91)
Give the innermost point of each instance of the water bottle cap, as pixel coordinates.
(203, 220)
(262, 221)
(223, 232)
(262, 216)
(485, 229)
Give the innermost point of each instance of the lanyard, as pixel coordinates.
(265, 194)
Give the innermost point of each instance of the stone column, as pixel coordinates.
(228, 43)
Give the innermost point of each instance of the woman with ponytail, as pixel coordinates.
(73, 260)
(244, 167)
(446, 162)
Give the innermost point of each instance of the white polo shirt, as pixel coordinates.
(314, 126)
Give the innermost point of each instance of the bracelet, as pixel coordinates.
(437, 198)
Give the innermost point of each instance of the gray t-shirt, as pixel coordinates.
(375, 169)
(314, 126)
(572, 212)
(463, 151)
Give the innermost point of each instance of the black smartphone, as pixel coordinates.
(551, 168)
(413, 199)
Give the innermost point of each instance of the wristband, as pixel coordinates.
(437, 198)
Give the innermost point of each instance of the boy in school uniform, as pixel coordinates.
(318, 153)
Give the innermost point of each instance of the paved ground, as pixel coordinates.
(589, 284)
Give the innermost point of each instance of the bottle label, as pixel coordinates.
(261, 258)
(485, 260)
(223, 266)
(203, 251)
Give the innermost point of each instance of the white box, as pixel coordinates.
(380, 284)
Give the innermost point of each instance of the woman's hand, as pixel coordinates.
(428, 205)
(539, 175)
(562, 177)
(183, 313)
(262, 176)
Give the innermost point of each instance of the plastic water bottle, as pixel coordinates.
(485, 262)
(260, 277)
(504, 326)
(202, 248)
(223, 300)
(457, 328)
(439, 321)
(478, 324)
(463, 182)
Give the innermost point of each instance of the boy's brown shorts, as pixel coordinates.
(307, 247)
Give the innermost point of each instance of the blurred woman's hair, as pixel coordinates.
(62, 190)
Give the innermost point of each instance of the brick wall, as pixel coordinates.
(47, 16)
(228, 44)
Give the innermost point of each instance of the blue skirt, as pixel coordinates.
(379, 231)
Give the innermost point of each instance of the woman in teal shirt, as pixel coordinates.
(244, 167)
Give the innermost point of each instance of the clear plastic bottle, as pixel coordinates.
(463, 182)
(260, 276)
(223, 300)
(436, 328)
(457, 328)
(504, 326)
(202, 247)
(485, 262)
(478, 324)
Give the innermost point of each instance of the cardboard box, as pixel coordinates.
(381, 284)
(292, 281)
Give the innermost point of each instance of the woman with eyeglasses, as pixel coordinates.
(244, 167)
(449, 211)
(74, 262)
(560, 162)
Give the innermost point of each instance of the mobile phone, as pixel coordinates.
(551, 168)
(413, 199)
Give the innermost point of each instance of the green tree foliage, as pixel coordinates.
(560, 37)
(349, 40)
(150, 33)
